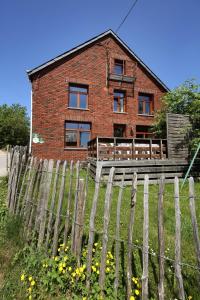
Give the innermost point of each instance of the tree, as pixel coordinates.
(185, 99)
(14, 125)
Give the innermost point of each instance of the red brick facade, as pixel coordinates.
(89, 66)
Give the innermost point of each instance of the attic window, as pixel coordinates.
(119, 67)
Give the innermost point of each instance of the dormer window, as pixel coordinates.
(119, 67)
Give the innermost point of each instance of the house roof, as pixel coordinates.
(87, 43)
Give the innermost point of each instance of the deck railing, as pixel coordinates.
(113, 148)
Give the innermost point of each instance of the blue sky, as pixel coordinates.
(164, 34)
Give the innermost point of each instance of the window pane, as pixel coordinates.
(84, 126)
(147, 108)
(73, 100)
(140, 107)
(71, 125)
(115, 104)
(83, 101)
(84, 138)
(71, 138)
(80, 89)
(118, 69)
(122, 105)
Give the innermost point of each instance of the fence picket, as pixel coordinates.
(79, 218)
(68, 204)
(59, 208)
(92, 224)
(130, 235)
(34, 198)
(161, 245)
(194, 222)
(178, 241)
(45, 202)
(53, 198)
(107, 206)
(75, 203)
(145, 254)
(117, 235)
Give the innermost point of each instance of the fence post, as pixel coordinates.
(108, 198)
(178, 241)
(161, 244)
(130, 235)
(145, 254)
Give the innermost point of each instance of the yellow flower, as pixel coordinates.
(64, 265)
(189, 297)
(107, 261)
(84, 298)
(22, 277)
(60, 269)
(73, 274)
(132, 298)
(56, 258)
(29, 290)
(33, 282)
(107, 270)
(93, 250)
(61, 245)
(30, 278)
(77, 271)
(81, 269)
(58, 249)
(97, 264)
(84, 266)
(137, 292)
(98, 272)
(95, 244)
(30, 297)
(94, 268)
(70, 268)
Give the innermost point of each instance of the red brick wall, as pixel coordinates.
(50, 98)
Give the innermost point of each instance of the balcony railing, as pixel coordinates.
(113, 148)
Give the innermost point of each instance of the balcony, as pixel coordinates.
(113, 149)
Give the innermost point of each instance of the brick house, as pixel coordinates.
(99, 88)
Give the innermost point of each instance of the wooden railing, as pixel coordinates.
(112, 148)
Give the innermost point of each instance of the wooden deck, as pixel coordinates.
(154, 168)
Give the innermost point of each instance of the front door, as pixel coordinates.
(119, 130)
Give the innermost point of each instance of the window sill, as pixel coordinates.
(122, 113)
(145, 115)
(75, 148)
(76, 108)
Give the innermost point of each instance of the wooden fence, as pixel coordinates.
(41, 192)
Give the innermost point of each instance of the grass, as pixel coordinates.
(10, 231)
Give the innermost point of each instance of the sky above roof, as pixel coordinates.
(164, 34)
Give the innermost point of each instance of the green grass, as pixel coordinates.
(11, 241)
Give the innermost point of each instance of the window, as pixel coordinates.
(143, 132)
(119, 101)
(145, 104)
(119, 66)
(78, 96)
(119, 130)
(77, 134)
